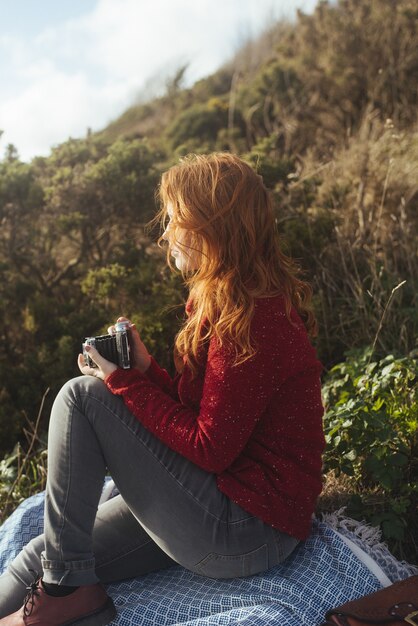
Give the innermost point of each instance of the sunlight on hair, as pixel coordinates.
(225, 208)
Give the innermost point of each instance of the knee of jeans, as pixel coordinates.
(82, 385)
(74, 393)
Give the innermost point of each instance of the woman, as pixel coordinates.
(219, 468)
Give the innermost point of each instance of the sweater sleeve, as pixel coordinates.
(161, 377)
(233, 400)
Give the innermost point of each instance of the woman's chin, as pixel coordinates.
(179, 262)
(183, 265)
(182, 262)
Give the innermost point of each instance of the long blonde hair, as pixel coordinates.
(226, 211)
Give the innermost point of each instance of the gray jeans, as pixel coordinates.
(168, 511)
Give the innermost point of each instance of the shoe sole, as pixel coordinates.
(103, 616)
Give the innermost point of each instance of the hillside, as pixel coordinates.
(326, 109)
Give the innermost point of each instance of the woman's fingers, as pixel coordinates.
(85, 368)
(140, 357)
(104, 367)
(95, 356)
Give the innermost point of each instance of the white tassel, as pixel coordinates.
(370, 535)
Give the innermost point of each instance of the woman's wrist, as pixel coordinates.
(143, 368)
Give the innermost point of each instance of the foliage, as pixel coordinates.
(353, 222)
(20, 477)
(65, 218)
(23, 472)
(198, 126)
(371, 425)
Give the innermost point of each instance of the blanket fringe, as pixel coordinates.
(370, 539)
(370, 535)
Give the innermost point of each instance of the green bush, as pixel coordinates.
(371, 424)
(200, 123)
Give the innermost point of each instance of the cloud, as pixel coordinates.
(87, 70)
(54, 108)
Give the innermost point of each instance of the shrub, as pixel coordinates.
(199, 123)
(371, 424)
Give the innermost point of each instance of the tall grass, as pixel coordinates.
(360, 240)
(23, 472)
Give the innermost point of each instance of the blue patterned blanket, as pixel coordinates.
(322, 572)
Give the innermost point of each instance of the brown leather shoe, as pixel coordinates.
(89, 605)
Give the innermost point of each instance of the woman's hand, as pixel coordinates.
(104, 367)
(140, 357)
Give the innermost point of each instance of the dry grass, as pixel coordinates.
(366, 270)
(336, 493)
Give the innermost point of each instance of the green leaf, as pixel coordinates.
(393, 529)
(378, 404)
(399, 459)
(351, 455)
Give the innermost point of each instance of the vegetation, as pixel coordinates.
(326, 109)
(371, 427)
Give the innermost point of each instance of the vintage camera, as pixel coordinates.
(114, 348)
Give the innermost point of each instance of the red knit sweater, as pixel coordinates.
(257, 426)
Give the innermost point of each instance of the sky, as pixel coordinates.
(67, 66)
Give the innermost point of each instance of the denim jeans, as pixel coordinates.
(168, 511)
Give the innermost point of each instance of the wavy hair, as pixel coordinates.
(226, 212)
